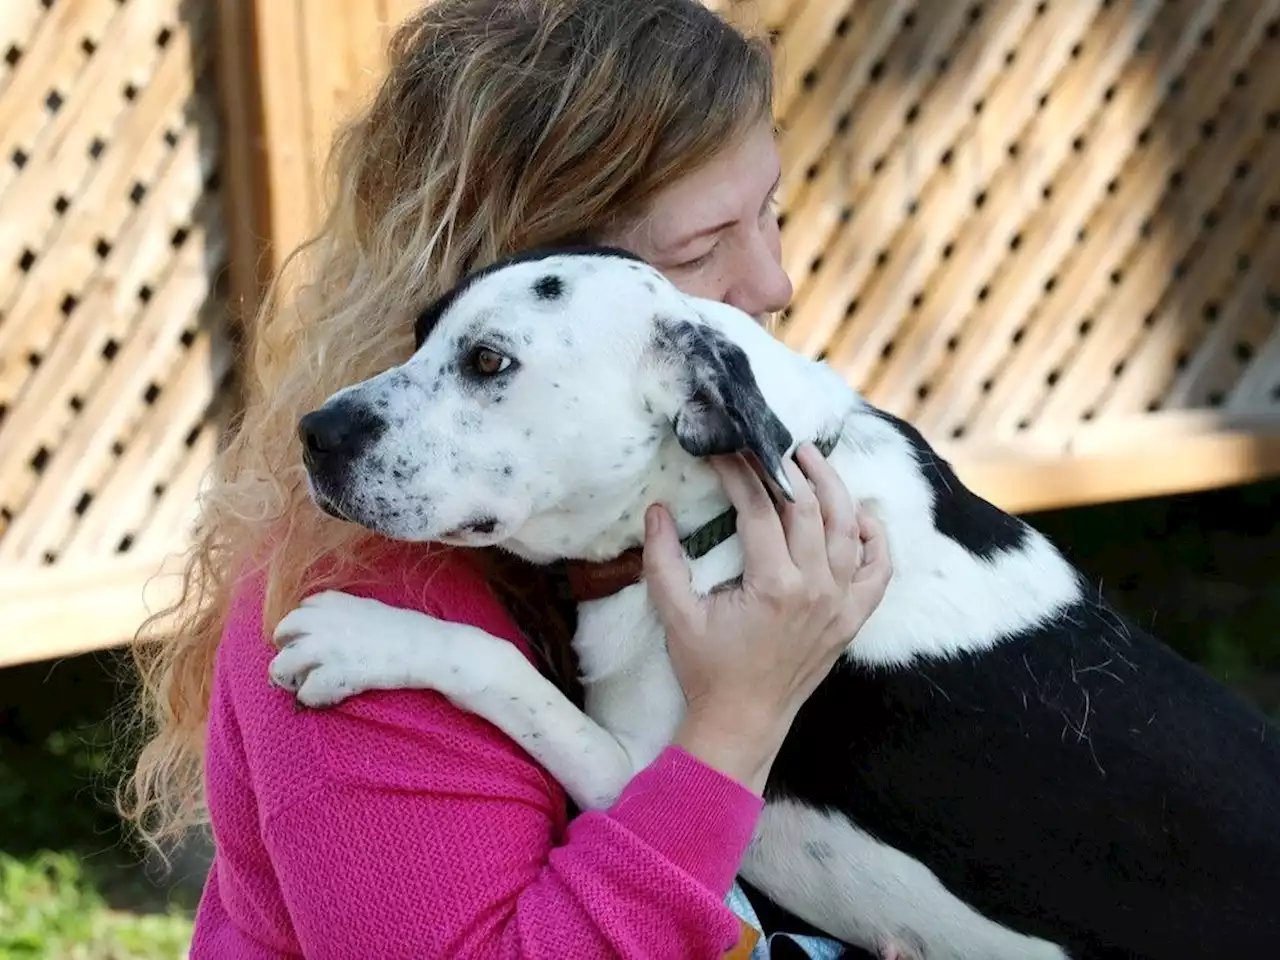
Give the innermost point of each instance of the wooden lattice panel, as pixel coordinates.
(114, 351)
(1037, 228)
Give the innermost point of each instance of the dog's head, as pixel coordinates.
(543, 396)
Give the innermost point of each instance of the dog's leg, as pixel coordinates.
(338, 645)
(825, 870)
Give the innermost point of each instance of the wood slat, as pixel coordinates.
(958, 204)
(1171, 343)
(1249, 314)
(177, 508)
(943, 115)
(49, 65)
(1180, 462)
(18, 26)
(60, 156)
(144, 139)
(1008, 125)
(85, 457)
(102, 322)
(974, 160)
(1259, 387)
(156, 445)
(71, 609)
(1144, 271)
(113, 337)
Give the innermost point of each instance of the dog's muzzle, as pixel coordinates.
(333, 438)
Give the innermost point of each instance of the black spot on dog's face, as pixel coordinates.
(549, 287)
(426, 321)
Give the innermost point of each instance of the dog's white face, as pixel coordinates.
(544, 394)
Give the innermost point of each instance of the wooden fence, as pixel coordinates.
(114, 350)
(1047, 232)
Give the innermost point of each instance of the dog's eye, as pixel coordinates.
(488, 362)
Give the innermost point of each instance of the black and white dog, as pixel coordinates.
(1000, 767)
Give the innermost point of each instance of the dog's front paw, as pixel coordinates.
(317, 670)
(331, 648)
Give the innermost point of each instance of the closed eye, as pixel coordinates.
(697, 261)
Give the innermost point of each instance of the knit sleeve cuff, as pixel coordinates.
(692, 814)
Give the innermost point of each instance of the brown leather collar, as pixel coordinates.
(595, 580)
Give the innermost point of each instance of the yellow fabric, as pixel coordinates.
(746, 942)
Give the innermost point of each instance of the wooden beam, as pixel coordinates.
(70, 609)
(1164, 455)
(245, 155)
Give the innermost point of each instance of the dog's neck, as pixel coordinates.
(603, 527)
(595, 580)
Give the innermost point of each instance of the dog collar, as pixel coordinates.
(595, 580)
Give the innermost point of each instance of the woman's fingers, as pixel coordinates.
(877, 566)
(764, 544)
(666, 572)
(802, 523)
(839, 515)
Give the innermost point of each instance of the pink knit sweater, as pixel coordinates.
(397, 825)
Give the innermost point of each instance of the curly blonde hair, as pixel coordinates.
(500, 125)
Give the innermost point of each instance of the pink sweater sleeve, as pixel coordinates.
(373, 872)
(400, 825)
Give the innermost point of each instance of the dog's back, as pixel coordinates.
(1071, 778)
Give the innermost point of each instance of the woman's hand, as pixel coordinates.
(748, 657)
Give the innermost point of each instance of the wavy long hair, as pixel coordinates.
(500, 125)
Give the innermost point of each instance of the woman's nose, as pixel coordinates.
(760, 284)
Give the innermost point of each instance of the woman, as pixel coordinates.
(396, 824)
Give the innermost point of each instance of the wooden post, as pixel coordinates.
(289, 72)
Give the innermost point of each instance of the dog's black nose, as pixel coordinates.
(337, 431)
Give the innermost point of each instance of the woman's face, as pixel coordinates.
(714, 233)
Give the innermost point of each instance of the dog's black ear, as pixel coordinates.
(722, 410)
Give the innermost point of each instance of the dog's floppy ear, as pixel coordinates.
(721, 409)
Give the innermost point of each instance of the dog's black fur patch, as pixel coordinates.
(723, 410)
(980, 527)
(430, 315)
(1079, 781)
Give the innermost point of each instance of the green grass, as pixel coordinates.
(50, 907)
(71, 884)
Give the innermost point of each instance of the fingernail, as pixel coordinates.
(651, 520)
